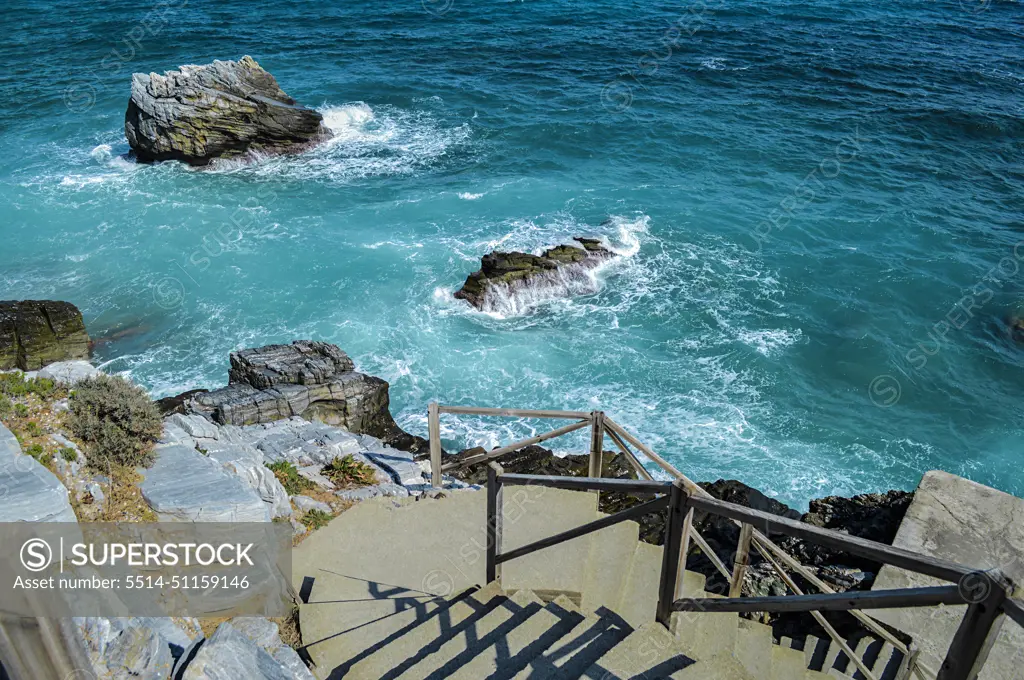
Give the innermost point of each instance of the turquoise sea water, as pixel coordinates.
(803, 193)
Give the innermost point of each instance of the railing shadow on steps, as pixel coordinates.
(987, 594)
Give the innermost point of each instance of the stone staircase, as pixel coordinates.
(394, 590)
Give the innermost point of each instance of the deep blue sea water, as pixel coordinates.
(818, 206)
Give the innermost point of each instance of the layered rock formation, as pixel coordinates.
(220, 110)
(34, 333)
(561, 270)
(308, 379)
(32, 493)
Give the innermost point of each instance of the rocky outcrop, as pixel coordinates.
(34, 333)
(308, 379)
(244, 649)
(558, 271)
(31, 492)
(221, 110)
(183, 485)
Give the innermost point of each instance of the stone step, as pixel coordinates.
(611, 554)
(703, 634)
(649, 651)
(458, 650)
(532, 513)
(579, 648)
(402, 651)
(786, 664)
(639, 600)
(753, 648)
(722, 667)
(346, 617)
(514, 652)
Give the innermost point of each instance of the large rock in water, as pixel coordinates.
(309, 379)
(561, 270)
(34, 333)
(220, 110)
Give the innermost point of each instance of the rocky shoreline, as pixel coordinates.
(266, 447)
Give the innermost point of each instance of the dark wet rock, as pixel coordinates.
(171, 405)
(503, 274)
(874, 516)
(1015, 325)
(536, 460)
(34, 333)
(220, 110)
(311, 380)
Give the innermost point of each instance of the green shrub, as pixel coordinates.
(315, 519)
(68, 454)
(347, 471)
(6, 406)
(116, 420)
(44, 387)
(33, 429)
(290, 479)
(36, 451)
(13, 384)
(21, 410)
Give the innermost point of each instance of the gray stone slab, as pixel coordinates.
(230, 654)
(184, 485)
(305, 504)
(68, 372)
(974, 525)
(28, 491)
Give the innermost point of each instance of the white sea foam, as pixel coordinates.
(466, 196)
(366, 142)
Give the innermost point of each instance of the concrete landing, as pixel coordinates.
(966, 522)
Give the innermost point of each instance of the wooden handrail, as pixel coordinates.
(872, 550)
(866, 599)
(967, 652)
(587, 483)
(656, 505)
(522, 443)
(1014, 609)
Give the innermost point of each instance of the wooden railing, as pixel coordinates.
(681, 497)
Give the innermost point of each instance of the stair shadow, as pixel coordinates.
(585, 649)
(448, 631)
(508, 666)
(496, 637)
(404, 599)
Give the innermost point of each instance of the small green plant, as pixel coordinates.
(33, 429)
(290, 479)
(349, 471)
(36, 451)
(6, 406)
(43, 387)
(21, 410)
(13, 384)
(316, 519)
(68, 454)
(116, 420)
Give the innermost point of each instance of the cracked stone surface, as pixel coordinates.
(974, 525)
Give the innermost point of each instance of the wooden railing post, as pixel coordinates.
(494, 507)
(596, 444)
(739, 565)
(979, 627)
(434, 435)
(684, 550)
(677, 511)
